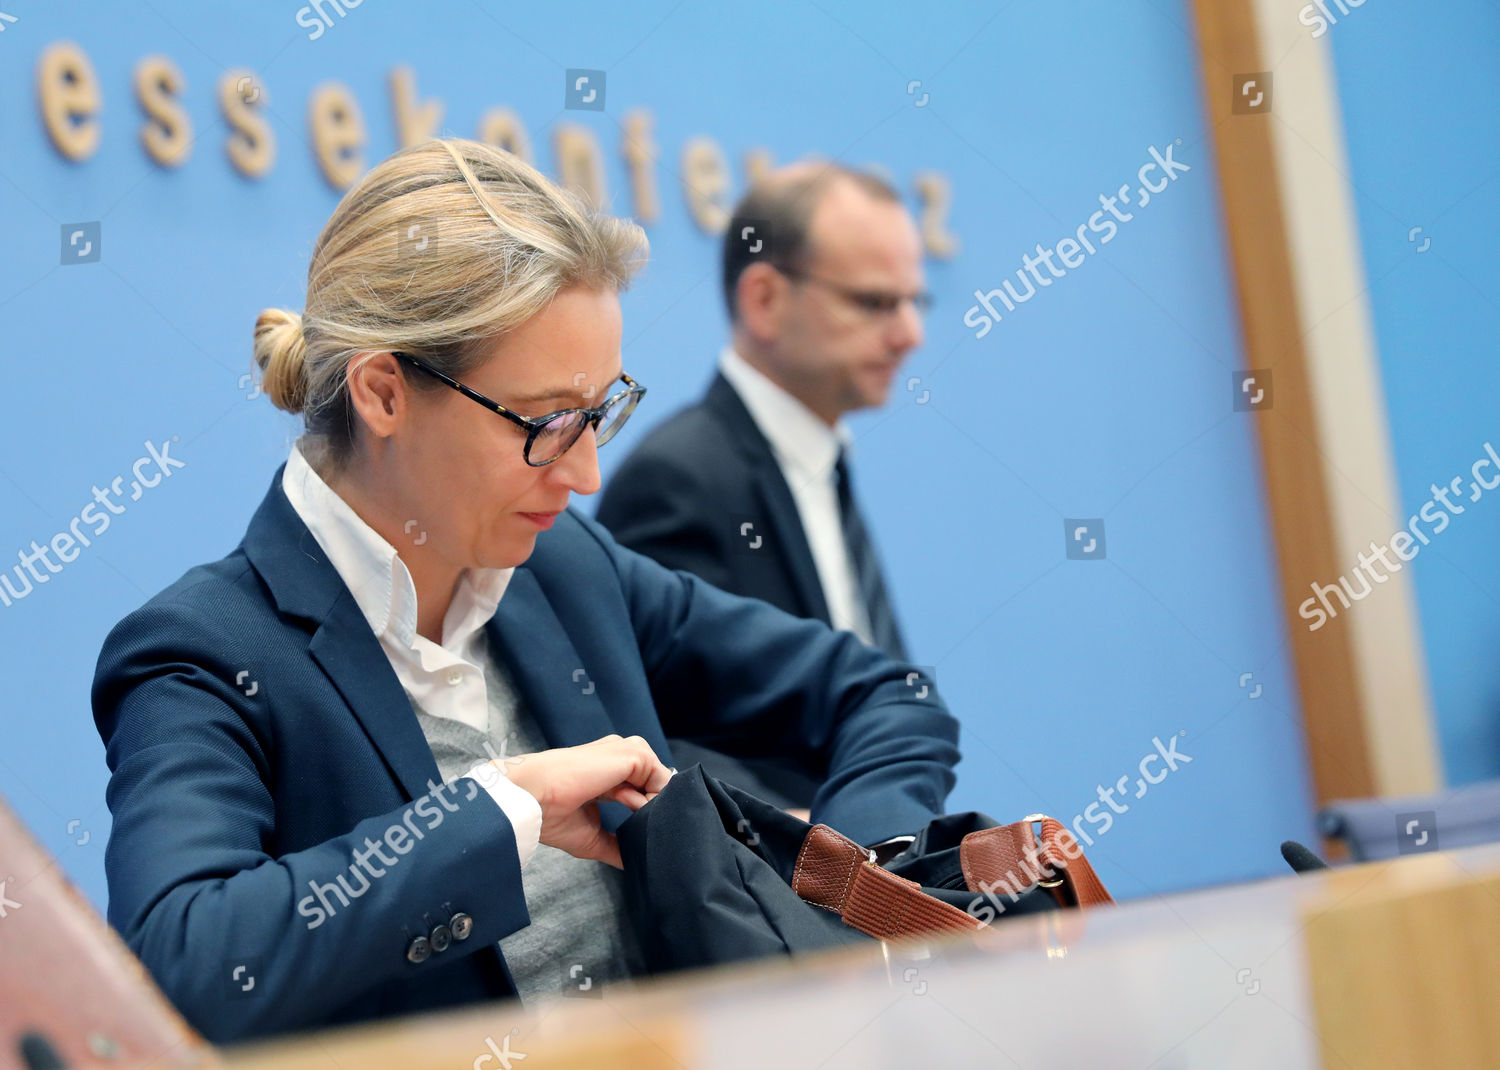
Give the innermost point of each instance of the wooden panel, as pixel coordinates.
(67, 976)
(573, 1034)
(1408, 975)
(1324, 442)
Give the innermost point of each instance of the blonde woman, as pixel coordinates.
(371, 762)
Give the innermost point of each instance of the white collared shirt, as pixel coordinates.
(442, 680)
(807, 450)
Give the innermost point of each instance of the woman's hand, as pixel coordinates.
(569, 782)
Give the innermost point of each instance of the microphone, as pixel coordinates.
(1300, 858)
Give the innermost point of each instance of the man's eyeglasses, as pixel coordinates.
(871, 302)
(549, 437)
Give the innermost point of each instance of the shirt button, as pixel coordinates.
(419, 950)
(455, 677)
(461, 925)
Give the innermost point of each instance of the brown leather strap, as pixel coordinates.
(1008, 859)
(836, 874)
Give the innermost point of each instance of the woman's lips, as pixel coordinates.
(541, 520)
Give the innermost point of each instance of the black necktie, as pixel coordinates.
(866, 567)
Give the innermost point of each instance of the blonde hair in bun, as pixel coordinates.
(438, 250)
(280, 351)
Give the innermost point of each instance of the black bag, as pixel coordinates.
(713, 875)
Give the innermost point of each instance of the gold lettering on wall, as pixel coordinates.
(758, 164)
(503, 128)
(251, 145)
(415, 121)
(338, 134)
(69, 97)
(640, 152)
(70, 101)
(705, 180)
(935, 194)
(168, 131)
(580, 165)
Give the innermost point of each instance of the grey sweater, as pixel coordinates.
(579, 937)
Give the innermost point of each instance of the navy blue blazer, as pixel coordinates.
(259, 742)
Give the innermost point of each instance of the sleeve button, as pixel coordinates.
(461, 926)
(419, 950)
(441, 938)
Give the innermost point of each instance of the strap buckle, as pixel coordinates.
(1036, 819)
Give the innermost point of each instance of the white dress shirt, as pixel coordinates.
(807, 450)
(442, 680)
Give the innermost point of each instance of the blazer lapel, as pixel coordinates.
(786, 523)
(781, 508)
(525, 630)
(305, 584)
(551, 677)
(347, 650)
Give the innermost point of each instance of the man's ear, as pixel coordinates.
(761, 298)
(378, 391)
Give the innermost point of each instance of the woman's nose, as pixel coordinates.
(578, 469)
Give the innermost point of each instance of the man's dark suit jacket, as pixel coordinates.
(703, 492)
(258, 738)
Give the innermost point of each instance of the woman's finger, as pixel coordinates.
(647, 772)
(608, 850)
(626, 795)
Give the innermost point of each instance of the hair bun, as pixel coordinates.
(279, 351)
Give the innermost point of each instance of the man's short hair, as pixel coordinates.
(780, 208)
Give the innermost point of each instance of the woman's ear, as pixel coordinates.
(378, 391)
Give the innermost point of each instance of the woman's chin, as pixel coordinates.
(510, 550)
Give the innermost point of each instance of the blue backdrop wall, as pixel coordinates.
(1106, 398)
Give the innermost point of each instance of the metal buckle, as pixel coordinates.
(1036, 819)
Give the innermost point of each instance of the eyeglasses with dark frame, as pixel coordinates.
(557, 431)
(872, 302)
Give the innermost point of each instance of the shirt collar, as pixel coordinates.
(798, 436)
(374, 572)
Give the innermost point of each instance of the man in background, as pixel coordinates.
(751, 488)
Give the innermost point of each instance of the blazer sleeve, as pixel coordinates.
(718, 662)
(194, 889)
(660, 509)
